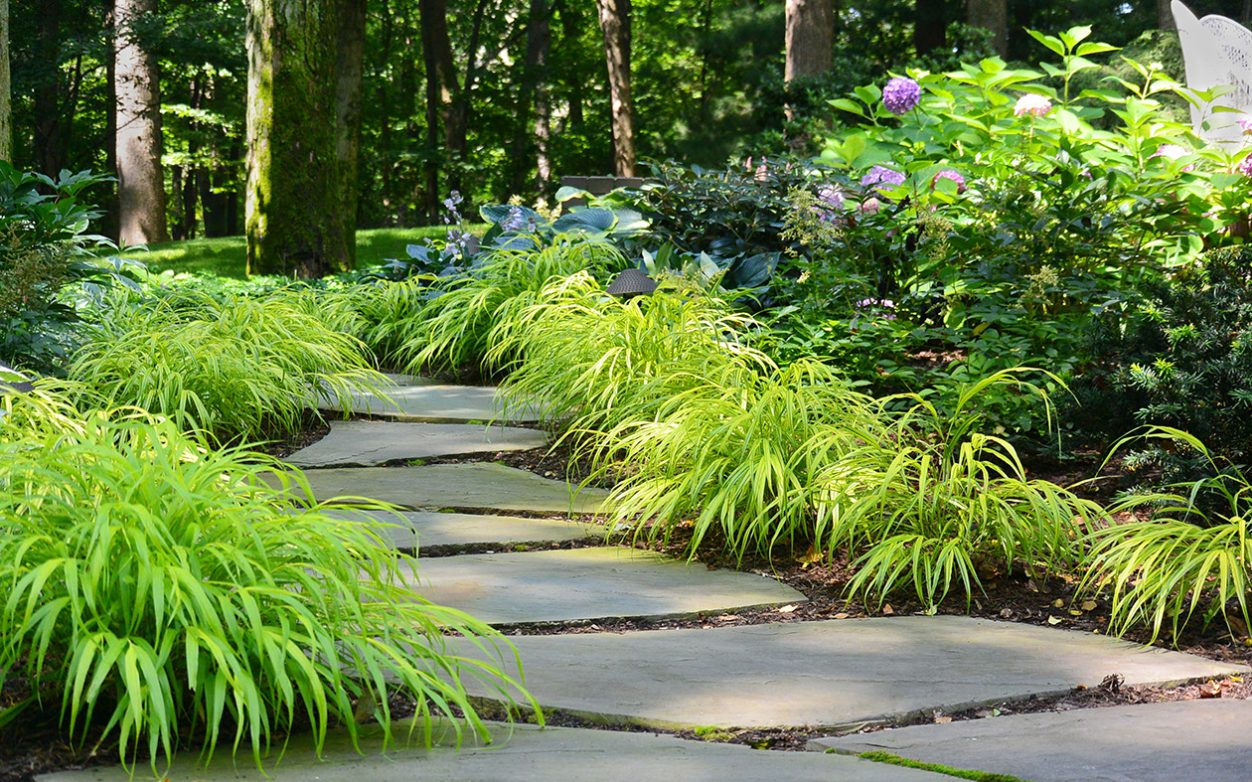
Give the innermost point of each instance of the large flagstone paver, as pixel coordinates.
(370, 443)
(420, 399)
(525, 753)
(423, 529)
(589, 583)
(1158, 742)
(836, 674)
(462, 486)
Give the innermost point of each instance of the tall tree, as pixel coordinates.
(615, 24)
(140, 179)
(930, 25)
(1165, 15)
(441, 82)
(533, 95)
(810, 38)
(6, 87)
(348, 72)
(294, 201)
(991, 15)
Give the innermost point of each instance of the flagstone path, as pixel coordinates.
(835, 675)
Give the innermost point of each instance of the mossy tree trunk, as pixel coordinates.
(991, 15)
(137, 128)
(301, 197)
(6, 87)
(810, 31)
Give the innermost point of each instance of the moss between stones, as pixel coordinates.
(960, 773)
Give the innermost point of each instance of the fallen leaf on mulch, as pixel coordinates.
(1210, 690)
(888, 610)
(787, 609)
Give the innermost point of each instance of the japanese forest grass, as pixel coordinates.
(236, 367)
(701, 431)
(164, 596)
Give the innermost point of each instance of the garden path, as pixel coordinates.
(834, 675)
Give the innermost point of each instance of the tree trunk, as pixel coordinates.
(810, 38)
(140, 179)
(930, 25)
(49, 147)
(532, 94)
(6, 89)
(1165, 15)
(615, 23)
(351, 47)
(294, 198)
(991, 15)
(440, 82)
(570, 31)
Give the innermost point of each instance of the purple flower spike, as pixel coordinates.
(901, 95)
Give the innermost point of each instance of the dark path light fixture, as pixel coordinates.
(631, 283)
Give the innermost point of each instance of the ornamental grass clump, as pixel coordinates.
(1189, 557)
(454, 329)
(938, 505)
(165, 596)
(235, 368)
(597, 361)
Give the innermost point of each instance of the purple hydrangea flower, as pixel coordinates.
(881, 175)
(901, 95)
(1245, 166)
(1032, 105)
(832, 200)
(1245, 123)
(951, 175)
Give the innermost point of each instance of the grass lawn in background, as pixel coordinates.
(224, 256)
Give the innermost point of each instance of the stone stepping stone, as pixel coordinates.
(367, 443)
(524, 753)
(590, 583)
(425, 530)
(459, 486)
(1156, 742)
(422, 399)
(838, 675)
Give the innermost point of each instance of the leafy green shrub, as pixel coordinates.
(453, 330)
(44, 248)
(1190, 555)
(166, 596)
(237, 367)
(1178, 358)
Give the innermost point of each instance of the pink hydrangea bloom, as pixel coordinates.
(1033, 105)
(949, 174)
(1245, 123)
(1245, 166)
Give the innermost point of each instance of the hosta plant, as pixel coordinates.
(1188, 559)
(236, 367)
(164, 596)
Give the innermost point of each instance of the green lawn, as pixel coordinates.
(225, 256)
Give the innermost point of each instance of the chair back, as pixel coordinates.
(1217, 52)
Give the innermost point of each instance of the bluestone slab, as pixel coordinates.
(423, 529)
(419, 399)
(460, 486)
(1156, 742)
(525, 753)
(589, 583)
(838, 674)
(368, 443)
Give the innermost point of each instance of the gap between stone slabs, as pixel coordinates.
(837, 675)
(368, 443)
(587, 584)
(524, 753)
(1204, 740)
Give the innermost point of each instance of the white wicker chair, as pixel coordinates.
(1217, 53)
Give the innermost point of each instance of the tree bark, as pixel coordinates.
(49, 146)
(930, 25)
(351, 47)
(440, 83)
(140, 179)
(615, 23)
(991, 15)
(1165, 15)
(532, 97)
(810, 38)
(6, 89)
(294, 214)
